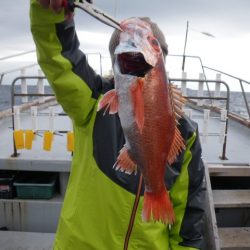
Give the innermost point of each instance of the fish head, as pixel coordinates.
(138, 50)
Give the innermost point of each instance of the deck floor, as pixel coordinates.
(237, 146)
(10, 240)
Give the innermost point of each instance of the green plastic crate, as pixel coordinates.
(35, 186)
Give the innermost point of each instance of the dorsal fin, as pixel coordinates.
(177, 101)
(178, 144)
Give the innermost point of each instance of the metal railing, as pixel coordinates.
(18, 54)
(204, 68)
(241, 81)
(14, 95)
(2, 74)
(15, 70)
(227, 98)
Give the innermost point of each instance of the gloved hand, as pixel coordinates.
(57, 6)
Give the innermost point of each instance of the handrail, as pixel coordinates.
(224, 73)
(16, 55)
(13, 95)
(241, 85)
(202, 67)
(241, 81)
(227, 98)
(2, 74)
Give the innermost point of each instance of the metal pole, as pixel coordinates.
(15, 154)
(19, 54)
(223, 156)
(1, 78)
(245, 98)
(185, 45)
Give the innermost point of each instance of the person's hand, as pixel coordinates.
(57, 6)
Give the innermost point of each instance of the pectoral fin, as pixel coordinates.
(110, 100)
(138, 103)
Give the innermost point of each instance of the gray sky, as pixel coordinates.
(227, 20)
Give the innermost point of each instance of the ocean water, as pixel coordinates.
(5, 95)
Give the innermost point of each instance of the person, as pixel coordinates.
(102, 207)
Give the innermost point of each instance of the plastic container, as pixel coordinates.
(35, 185)
(7, 190)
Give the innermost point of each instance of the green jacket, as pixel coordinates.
(99, 200)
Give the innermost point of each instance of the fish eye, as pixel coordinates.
(154, 42)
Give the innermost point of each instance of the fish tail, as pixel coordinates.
(158, 207)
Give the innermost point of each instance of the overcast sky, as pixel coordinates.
(227, 20)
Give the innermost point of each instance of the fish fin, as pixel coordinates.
(110, 100)
(125, 163)
(138, 103)
(177, 146)
(158, 207)
(178, 101)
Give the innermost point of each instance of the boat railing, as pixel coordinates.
(2, 74)
(43, 100)
(17, 69)
(214, 101)
(22, 69)
(197, 101)
(242, 84)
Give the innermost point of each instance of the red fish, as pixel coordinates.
(149, 109)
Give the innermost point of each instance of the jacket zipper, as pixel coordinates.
(132, 216)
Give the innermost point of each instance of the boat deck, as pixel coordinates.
(237, 145)
(36, 159)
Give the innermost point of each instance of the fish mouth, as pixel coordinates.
(133, 63)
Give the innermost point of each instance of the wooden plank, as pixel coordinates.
(231, 198)
(234, 238)
(232, 170)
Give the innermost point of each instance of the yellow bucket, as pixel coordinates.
(70, 141)
(47, 140)
(19, 139)
(29, 137)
